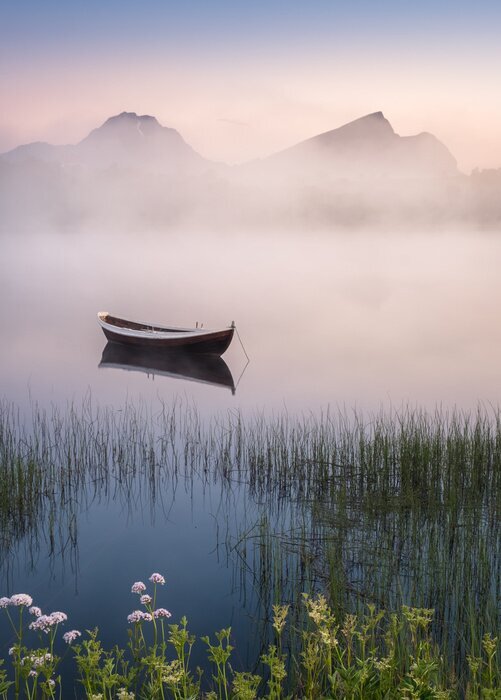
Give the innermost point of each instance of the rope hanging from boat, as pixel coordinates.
(245, 353)
(240, 339)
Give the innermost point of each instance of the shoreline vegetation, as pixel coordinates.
(386, 525)
(371, 656)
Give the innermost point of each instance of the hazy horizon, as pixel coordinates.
(243, 82)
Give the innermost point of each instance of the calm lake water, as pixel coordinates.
(343, 319)
(340, 320)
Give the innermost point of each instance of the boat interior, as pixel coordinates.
(136, 325)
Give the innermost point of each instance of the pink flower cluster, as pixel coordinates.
(17, 599)
(139, 615)
(44, 623)
(71, 636)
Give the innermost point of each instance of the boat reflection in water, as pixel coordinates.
(208, 369)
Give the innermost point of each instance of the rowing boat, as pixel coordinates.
(148, 335)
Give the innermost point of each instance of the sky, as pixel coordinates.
(240, 80)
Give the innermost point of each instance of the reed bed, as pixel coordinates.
(398, 508)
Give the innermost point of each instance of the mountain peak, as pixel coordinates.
(369, 147)
(369, 126)
(129, 120)
(130, 117)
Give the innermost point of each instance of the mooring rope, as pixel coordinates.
(240, 339)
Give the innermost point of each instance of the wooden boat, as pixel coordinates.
(197, 367)
(147, 335)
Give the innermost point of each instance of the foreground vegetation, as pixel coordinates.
(372, 656)
(373, 513)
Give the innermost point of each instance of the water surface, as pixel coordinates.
(331, 321)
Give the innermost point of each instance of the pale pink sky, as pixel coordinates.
(236, 96)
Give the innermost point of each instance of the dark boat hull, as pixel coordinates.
(210, 343)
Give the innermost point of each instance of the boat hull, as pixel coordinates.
(215, 343)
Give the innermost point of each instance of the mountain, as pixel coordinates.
(125, 140)
(366, 148)
(132, 171)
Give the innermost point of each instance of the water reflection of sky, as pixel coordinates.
(116, 537)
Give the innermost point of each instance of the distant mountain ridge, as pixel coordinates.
(369, 147)
(365, 147)
(132, 172)
(124, 140)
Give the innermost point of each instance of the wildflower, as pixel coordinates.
(384, 664)
(279, 617)
(138, 615)
(21, 599)
(474, 663)
(145, 599)
(161, 612)
(42, 624)
(328, 637)
(4, 602)
(135, 616)
(36, 660)
(40, 660)
(58, 617)
(51, 682)
(318, 609)
(157, 578)
(45, 622)
(123, 694)
(35, 611)
(138, 587)
(71, 636)
(33, 673)
(173, 672)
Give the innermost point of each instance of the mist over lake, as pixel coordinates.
(364, 318)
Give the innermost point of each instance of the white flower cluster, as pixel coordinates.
(36, 659)
(17, 599)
